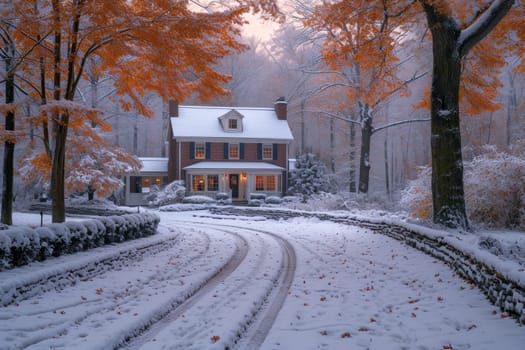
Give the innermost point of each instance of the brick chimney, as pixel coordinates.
(173, 108)
(281, 107)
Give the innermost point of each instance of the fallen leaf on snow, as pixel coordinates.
(215, 338)
(99, 291)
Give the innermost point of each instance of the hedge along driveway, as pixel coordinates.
(22, 245)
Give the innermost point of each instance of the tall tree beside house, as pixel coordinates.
(12, 58)
(168, 47)
(361, 51)
(92, 161)
(456, 28)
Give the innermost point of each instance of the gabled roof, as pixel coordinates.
(232, 114)
(258, 124)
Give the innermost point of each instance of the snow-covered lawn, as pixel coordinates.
(204, 283)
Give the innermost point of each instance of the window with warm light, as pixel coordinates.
(200, 150)
(234, 151)
(267, 183)
(198, 183)
(267, 151)
(259, 183)
(213, 182)
(270, 183)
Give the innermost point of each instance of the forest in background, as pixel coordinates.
(323, 119)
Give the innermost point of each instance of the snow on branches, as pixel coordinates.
(494, 189)
(308, 177)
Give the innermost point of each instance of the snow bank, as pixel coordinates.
(22, 245)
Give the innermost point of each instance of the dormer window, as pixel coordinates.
(232, 124)
(231, 121)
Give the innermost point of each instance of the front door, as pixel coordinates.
(234, 185)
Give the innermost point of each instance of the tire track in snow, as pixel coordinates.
(116, 301)
(253, 333)
(60, 276)
(139, 337)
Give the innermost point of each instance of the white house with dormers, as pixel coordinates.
(234, 150)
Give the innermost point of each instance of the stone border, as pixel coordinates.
(503, 292)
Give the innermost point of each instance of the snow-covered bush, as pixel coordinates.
(77, 236)
(198, 200)
(21, 245)
(258, 196)
(308, 177)
(63, 238)
(416, 198)
(317, 202)
(273, 200)
(494, 189)
(47, 239)
(173, 193)
(255, 202)
(223, 198)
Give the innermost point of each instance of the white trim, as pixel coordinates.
(233, 139)
(238, 151)
(271, 151)
(203, 150)
(234, 166)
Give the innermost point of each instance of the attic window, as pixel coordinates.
(232, 124)
(231, 121)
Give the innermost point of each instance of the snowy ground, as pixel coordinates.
(248, 283)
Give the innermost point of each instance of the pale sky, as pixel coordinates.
(259, 28)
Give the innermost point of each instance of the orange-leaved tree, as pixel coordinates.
(457, 29)
(164, 46)
(91, 161)
(361, 48)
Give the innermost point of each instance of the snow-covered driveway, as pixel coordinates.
(251, 283)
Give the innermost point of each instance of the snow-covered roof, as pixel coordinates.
(201, 122)
(233, 166)
(154, 165)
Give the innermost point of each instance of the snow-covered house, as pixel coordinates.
(234, 150)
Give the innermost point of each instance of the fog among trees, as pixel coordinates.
(373, 139)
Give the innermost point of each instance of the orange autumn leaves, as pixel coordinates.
(366, 38)
(165, 47)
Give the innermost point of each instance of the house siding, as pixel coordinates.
(217, 153)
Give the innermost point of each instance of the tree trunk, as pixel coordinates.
(91, 192)
(387, 174)
(332, 146)
(352, 185)
(58, 173)
(9, 152)
(447, 163)
(366, 135)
